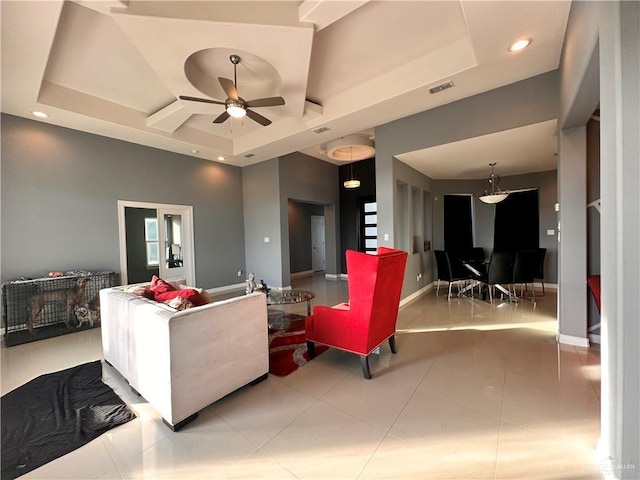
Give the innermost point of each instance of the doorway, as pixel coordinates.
(155, 239)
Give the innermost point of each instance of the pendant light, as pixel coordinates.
(352, 183)
(495, 195)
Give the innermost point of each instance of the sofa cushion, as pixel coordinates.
(206, 296)
(188, 294)
(158, 285)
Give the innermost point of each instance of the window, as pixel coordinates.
(517, 222)
(458, 223)
(151, 239)
(368, 232)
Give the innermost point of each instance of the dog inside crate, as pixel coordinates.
(45, 307)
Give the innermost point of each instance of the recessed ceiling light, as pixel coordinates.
(195, 151)
(40, 114)
(221, 158)
(520, 44)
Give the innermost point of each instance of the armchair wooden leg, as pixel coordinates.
(311, 348)
(392, 344)
(364, 363)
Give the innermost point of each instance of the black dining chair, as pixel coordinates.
(542, 252)
(525, 268)
(447, 273)
(499, 273)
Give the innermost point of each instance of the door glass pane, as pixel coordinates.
(371, 231)
(370, 219)
(173, 240)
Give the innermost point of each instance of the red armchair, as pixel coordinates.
(363, 324)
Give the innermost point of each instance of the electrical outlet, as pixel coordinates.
(239, 273)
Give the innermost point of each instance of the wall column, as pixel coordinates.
(620, 238)
(572, 251)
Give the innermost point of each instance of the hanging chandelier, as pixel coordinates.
(495, 195)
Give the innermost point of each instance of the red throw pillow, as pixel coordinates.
(158, 285)
(189, 294)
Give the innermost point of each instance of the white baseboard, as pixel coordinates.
(571, 340)
(333, 276)
(605, 462)
(227, 288)
(415, 295)
(306, 273)
(593, 338)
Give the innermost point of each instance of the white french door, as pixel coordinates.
(168, 241)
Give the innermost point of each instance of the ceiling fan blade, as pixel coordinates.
(266, 102)
(203, 100)
(222, 117)
(264, 121)
(229, 88)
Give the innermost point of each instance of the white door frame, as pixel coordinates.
(187, 228)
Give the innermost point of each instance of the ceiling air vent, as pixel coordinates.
(320, 130)
(441, 87)
(249, 155)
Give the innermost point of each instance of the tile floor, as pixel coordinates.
(475, 391)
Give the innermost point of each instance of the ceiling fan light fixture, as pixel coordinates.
(235, 109)
(495, 195)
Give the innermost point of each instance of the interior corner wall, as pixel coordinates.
(527, 102)
(60, 192)
(309, 180)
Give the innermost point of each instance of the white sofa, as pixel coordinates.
(182, 361)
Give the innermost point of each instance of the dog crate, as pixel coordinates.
(40, 308)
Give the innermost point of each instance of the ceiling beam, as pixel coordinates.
(323, 13)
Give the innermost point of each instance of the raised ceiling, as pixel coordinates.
(117, 68)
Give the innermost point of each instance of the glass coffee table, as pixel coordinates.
(279, 320)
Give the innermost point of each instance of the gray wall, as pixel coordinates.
(300, 234)
(593, 218)
(523, 103)
(411, 209)
(60, 189)
(601, 63)
(261, 193)
(545, 182)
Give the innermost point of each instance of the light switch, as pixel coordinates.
(386, 237)
(551, 232)
(267, 239)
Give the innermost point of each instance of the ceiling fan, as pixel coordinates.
(236, 106)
